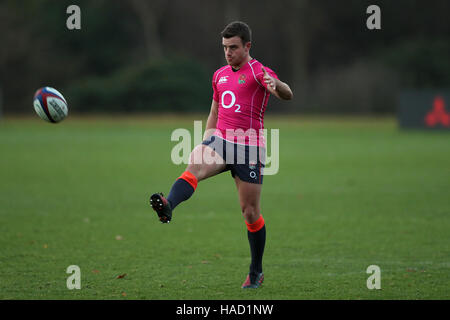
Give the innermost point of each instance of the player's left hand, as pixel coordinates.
(270, 82)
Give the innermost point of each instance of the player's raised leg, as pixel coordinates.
(249, 198)
(184, 186)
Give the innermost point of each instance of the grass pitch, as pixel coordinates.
(349, 193)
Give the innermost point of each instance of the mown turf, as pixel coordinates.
(350, 192)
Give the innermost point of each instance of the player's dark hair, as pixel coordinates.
(238, 28)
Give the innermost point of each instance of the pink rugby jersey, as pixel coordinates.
(242, 96)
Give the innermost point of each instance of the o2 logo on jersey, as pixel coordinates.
(232, 102)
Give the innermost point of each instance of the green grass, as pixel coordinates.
(350, 192)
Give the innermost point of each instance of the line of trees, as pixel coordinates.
(159, 55)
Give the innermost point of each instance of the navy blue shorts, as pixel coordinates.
(247, 162)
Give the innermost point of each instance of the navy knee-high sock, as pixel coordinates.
(257, 239)
(182, 189)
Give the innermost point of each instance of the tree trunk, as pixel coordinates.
(149, 13)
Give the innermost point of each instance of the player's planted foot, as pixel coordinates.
(162, 207)
(253, 281)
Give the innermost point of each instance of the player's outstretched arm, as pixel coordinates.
(212, 120)
(277, 87)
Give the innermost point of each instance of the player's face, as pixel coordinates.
(235, 51)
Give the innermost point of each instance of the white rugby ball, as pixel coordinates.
(50, 104)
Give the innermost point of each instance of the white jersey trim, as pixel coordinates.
(218, 72)
(253, 71)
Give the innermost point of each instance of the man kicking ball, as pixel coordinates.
(233, 139)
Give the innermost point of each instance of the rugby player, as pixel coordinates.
(233, 139)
